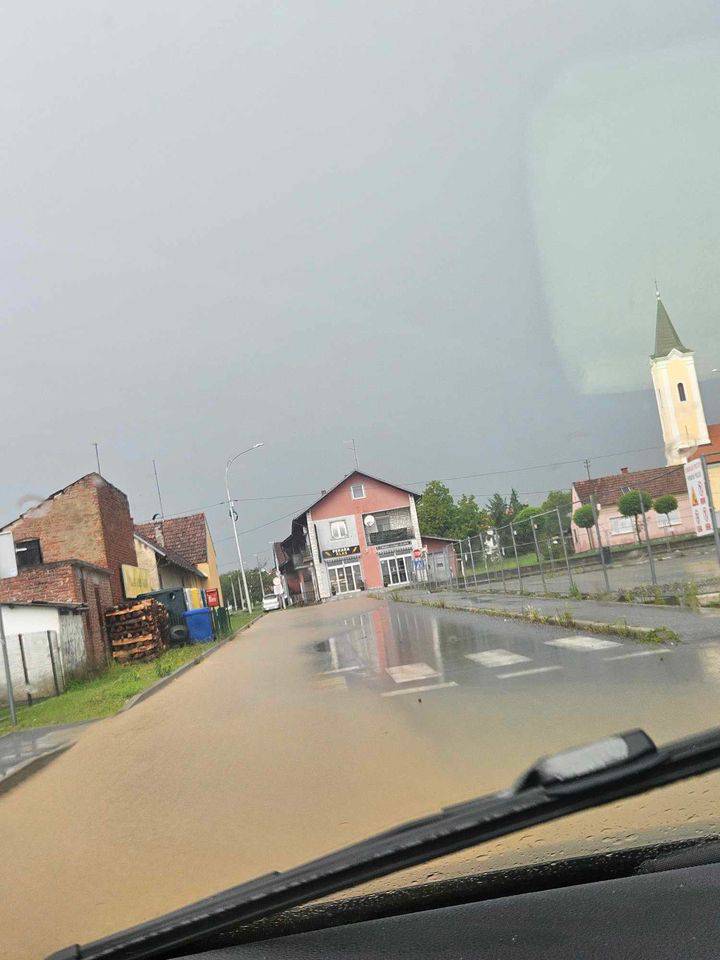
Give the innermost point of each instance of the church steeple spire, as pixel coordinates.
(677, 391)
(666, 337)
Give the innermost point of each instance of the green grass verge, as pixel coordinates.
(103, 695)
(241, 617)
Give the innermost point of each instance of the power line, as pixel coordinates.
(537, 466)
(418, 483)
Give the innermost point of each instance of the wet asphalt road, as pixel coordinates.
(319, 726)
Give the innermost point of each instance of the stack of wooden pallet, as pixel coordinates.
(138, 630)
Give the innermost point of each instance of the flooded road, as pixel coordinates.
(322, 725)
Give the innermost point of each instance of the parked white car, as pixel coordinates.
(271, 602)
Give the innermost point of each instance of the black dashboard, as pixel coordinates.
(671, 913)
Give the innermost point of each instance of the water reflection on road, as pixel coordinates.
(489, 695)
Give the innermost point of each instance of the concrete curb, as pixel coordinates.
(611, 628)
(26, 768)
(164, 681)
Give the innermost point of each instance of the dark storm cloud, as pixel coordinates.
(297, 223)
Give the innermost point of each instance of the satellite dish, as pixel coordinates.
(369, 520)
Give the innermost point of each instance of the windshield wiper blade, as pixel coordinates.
(611, 769)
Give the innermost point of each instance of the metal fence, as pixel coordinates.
(221, 622)
(536, 555)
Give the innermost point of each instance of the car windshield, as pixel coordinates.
(375, 451)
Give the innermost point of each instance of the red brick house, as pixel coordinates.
(70, 548)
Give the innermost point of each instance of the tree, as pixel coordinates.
(632, 504)
(514, 504)
(522, 525)
(436, 510)
(531, 513)
(585, 517)
(665, 505)
(469, 518)
(562, 500)
(253, 577)
(497, 510)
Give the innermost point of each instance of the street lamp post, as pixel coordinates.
(233, 517)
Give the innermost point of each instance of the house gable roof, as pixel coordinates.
(174, 558)
(186, 536)
(608, 490)
(94, 475)
(349, 479)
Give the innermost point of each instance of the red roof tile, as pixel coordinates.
(184, 535)
(656, 481)
(709, 448)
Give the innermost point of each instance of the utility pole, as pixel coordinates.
(234, 517)
(232, 584)
(157, 484)
(587, 468)
(277, 570)
(97, 456)
(8, 678)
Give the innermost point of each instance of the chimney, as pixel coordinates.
(624, 469)
(159, 535)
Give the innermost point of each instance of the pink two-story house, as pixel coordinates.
(361, 534)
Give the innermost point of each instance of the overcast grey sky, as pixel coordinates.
(431, 227)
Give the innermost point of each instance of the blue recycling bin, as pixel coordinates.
(199, 624)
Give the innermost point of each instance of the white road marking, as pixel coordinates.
(526, 673)
(583, 643)
(331, 683)
(431, 686)
(497, 658)
(411, 671)
(327, 673)
(642, 653)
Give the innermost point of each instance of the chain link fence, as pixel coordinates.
(536, 555)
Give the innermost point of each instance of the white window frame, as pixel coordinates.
(353, 488)
(335, 527)
(668, 520)
(620, 525)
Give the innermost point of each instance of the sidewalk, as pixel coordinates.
(689, 626)
(17, 749)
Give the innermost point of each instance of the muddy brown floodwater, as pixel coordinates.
(316, 728)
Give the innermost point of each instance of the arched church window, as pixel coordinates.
(681, 392)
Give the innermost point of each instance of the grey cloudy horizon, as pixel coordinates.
(433, 228)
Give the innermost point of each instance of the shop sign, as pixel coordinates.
(341, 552)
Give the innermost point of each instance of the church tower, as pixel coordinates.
(676, 391)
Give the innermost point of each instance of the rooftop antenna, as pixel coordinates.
(355, 456)
(157, 484)
(657, 290)
(97, 456)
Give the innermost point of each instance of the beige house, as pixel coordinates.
(159, 569)
(188, 538)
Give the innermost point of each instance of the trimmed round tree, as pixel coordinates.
(585, 518)
(665, 504)
(632, 504)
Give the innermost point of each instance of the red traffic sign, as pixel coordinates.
(212, 596)
(417, 553)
